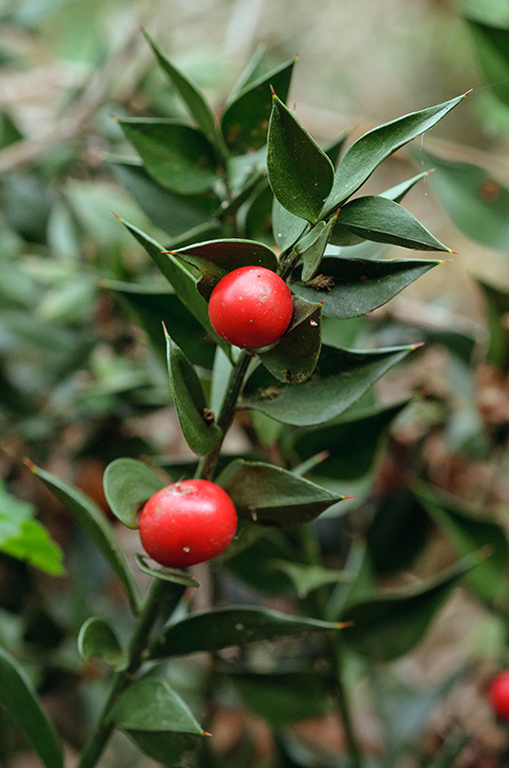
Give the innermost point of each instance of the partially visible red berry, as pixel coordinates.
(498, 694)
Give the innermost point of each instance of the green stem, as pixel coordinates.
(146, 620)
(312, 556)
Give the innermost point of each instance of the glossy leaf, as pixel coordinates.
(349, 287)
(173, 213)
(312, 247)
(341, 377)
(286, 227)
(154, 304)
(220, 628)
(469, 533)
(96, 638)
(128, 484)
(300, 173)
(283, 698)
(383, 221)
(348, 456)
(178, 157)
(188, 91)
(96, 526)
(21, 701)
(390, 623)
(174, 575)
(269, 495)
(294, 357)
(216, 258)
(476, 202)
(246, 118)
(371, 149)
(196, 419)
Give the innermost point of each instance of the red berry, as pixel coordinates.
(187, 523)
(498, 694)
(251, 307)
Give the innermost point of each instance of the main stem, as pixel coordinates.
(99, 736)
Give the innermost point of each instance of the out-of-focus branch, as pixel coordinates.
(76, 123)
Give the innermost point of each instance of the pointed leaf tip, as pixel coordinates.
(29, 464)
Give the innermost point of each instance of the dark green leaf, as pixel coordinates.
(153, 305)
(371, 149)
(476, 202)
(390, 623)
(286, 227)
(95, 525)
(20, 699)
(224, 627)
(384, 221)
(294, 357)
(351, 443)
(333, 149)
(283, 698)
(341, 377)
(253, 70)
(308, 578)
(469, 533)
(258, 218)
(300, 173)
(253, 565)
(497, 307)
(216, 258)
(173, 213)
(178, 157)
(196, 419)
(398, 192)
(174, 575)
(273, 496)
(312, 247)
(170, 749)
(97, 638)
(349, 287)
(128, 484)
(246, 118)
(190, 94)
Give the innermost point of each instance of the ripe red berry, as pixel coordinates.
(498, 694)
(251, 307)
(187, 523)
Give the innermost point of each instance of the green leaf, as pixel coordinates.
(174, 575)
(352, 443)
(177, 275)
(497, 307)
(341, 377)
(96, 638)
(254, 565)
(128, 484)
(312, 247)
(283, 698)
(286, 227)
(220, 628)
(173, 213)
(476, 202)
(398, 192)
(269, 495)
(154, 304)
(383, 221)
(300, 173)
(490, 32)
(390, 623)
(178, 157)
(96, 526)
(188, 91)
(253, 70)
(246, 118)
(349, 287)
(371, 149)
(308, 578)
(20, 699)
(25, 538)
(158, 720)
(216, 258)
(196, 419)
(294, 357)
(470, 532)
